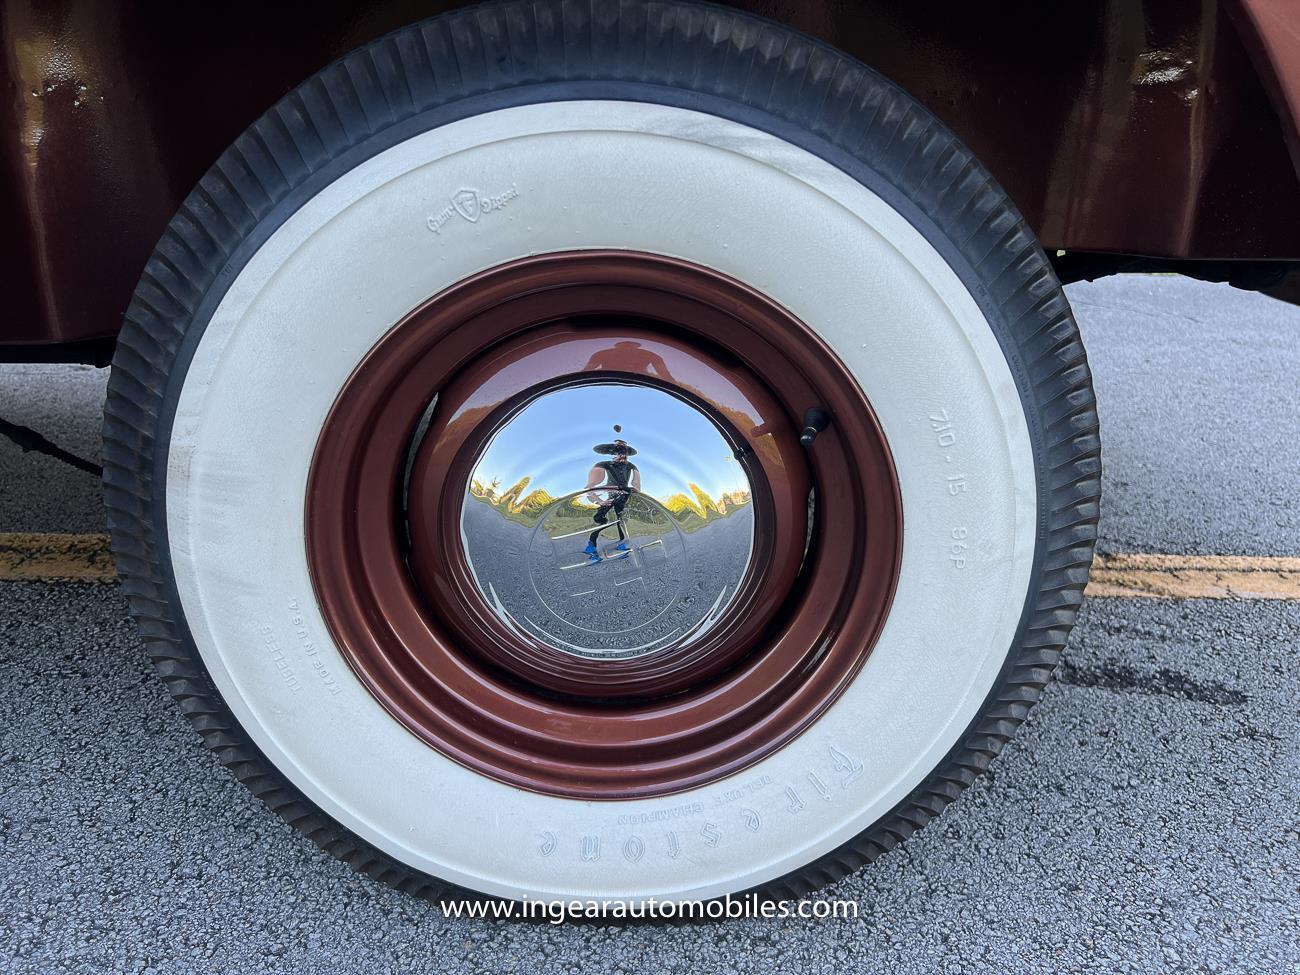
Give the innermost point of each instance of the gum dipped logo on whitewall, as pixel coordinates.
(471, 205)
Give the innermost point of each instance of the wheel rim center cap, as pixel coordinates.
(606, 547)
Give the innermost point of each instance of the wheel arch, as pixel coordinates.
(1113, 133)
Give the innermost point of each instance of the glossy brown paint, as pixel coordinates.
(1134, 126)
(487, 714)
(1270, 31)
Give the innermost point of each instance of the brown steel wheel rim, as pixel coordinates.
(401, 602)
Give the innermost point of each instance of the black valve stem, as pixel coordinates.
(814, 422)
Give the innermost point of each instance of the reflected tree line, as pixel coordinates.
(692, 509)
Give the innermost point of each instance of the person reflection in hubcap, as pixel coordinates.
(610, 484)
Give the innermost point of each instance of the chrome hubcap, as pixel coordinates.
(610, 520)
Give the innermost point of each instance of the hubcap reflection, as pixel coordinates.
(609, 520)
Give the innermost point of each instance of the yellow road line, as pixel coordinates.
(1195, 577)
(56, 557)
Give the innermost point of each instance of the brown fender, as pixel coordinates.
(1160, 128)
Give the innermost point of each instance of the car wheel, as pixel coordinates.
(374, 414)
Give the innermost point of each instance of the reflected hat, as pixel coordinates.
(614, 449)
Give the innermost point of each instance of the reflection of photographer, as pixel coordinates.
(609, 484)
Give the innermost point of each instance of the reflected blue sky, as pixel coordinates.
(551, 440)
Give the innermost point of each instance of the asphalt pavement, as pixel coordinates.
(1144, 820)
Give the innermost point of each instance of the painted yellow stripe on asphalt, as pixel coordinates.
(1195, 577)
(57, 557)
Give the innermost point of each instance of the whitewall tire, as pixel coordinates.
(862, 217)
